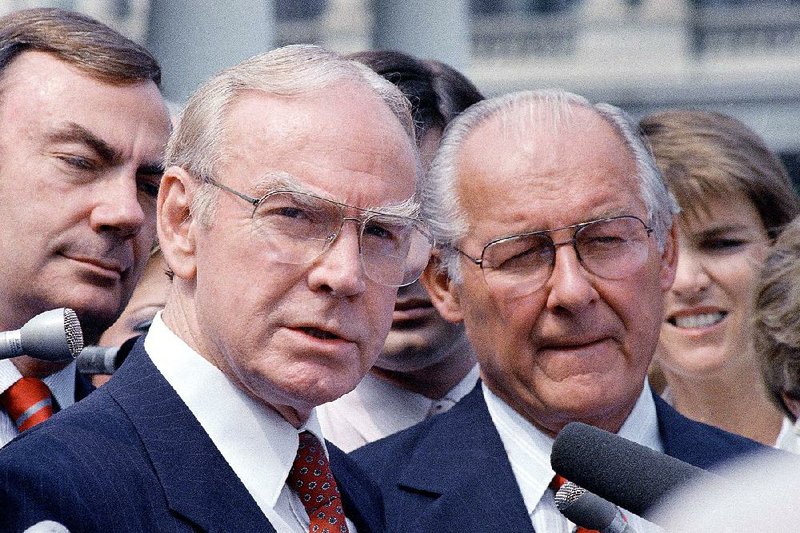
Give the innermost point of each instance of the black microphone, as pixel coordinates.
(589, 510)
(54, 335)
(104, 359)
(624, 472)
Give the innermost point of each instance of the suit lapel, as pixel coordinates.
(360, 497)
(459, 474)
(197, 481)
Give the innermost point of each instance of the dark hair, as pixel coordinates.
(81, 41)
(437, 92)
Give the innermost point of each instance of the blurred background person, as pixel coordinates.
(735, 196)
(84, 128)
(776, 329)
(427, 364)
(149, 297)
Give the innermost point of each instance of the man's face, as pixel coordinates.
(79, 172)
(297, 336)
(578, 348)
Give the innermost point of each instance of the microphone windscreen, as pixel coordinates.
(584, 508)
(72, 328)
(628, 474)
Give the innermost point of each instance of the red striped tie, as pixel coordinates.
(555, 485)
(27, 402)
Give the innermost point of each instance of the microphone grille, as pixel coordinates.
(72, 328)
(567, 494)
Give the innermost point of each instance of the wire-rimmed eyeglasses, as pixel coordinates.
(298, 227)
(611, 248)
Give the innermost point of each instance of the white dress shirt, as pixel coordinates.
(258, 443)
(529, 448)
(61, 385)
(789, 437)
(377, 408)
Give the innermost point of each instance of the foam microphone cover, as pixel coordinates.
(628, 474)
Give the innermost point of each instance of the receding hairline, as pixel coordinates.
(520, 116)
(365, 96)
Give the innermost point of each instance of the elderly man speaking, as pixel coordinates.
(288, 215)
(558, 248)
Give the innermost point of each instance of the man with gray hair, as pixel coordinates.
(557, 248)
(289, 215)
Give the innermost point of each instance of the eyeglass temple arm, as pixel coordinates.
(478, 262)
(248, 199)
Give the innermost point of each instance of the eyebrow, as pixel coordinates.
(75, 133)
(717, 231)
(408, 208)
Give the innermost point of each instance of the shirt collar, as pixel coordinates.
(528, 448)
(61, 383)
(258, 443)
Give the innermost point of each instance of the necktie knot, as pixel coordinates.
(311, 478)
(27, 402)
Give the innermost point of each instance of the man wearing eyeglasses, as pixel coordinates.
(289, 215)
(557, 246)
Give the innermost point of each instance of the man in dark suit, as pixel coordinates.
(83, 132)
(557, 248)
(288, 215)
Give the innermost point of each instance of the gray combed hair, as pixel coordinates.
(197, 143)
(549, 107)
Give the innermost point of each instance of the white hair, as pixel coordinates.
(548, 108)
(197, 143)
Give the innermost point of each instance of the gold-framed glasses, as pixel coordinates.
(298, 227)
(611, 248)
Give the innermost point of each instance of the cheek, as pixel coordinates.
(501, 328)
(378, 319)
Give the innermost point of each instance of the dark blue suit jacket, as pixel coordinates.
(451, 472)
(132, 457)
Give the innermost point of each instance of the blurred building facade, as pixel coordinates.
(740, 57)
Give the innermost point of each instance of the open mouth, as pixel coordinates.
(701, 320)
(319, 333)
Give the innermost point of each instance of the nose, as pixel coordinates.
(569, 286)
(339, 270)
(691, 275)
(118, 208)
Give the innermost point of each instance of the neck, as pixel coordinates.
(734, 402)
(433, 382)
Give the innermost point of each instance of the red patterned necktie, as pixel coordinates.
(555, 485)
(312, 480)
(27, 402)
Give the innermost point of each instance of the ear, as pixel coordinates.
(442, 290)
(176, 227)
(792, 404)
(669, 257)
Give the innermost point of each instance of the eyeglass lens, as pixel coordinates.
(296, 228)
(612, 249)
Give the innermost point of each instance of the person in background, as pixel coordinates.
(427, 364)
(776, 329)
(149, 297)
(557, 247)
(289, 213)
(84, 129)
(735, 197)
